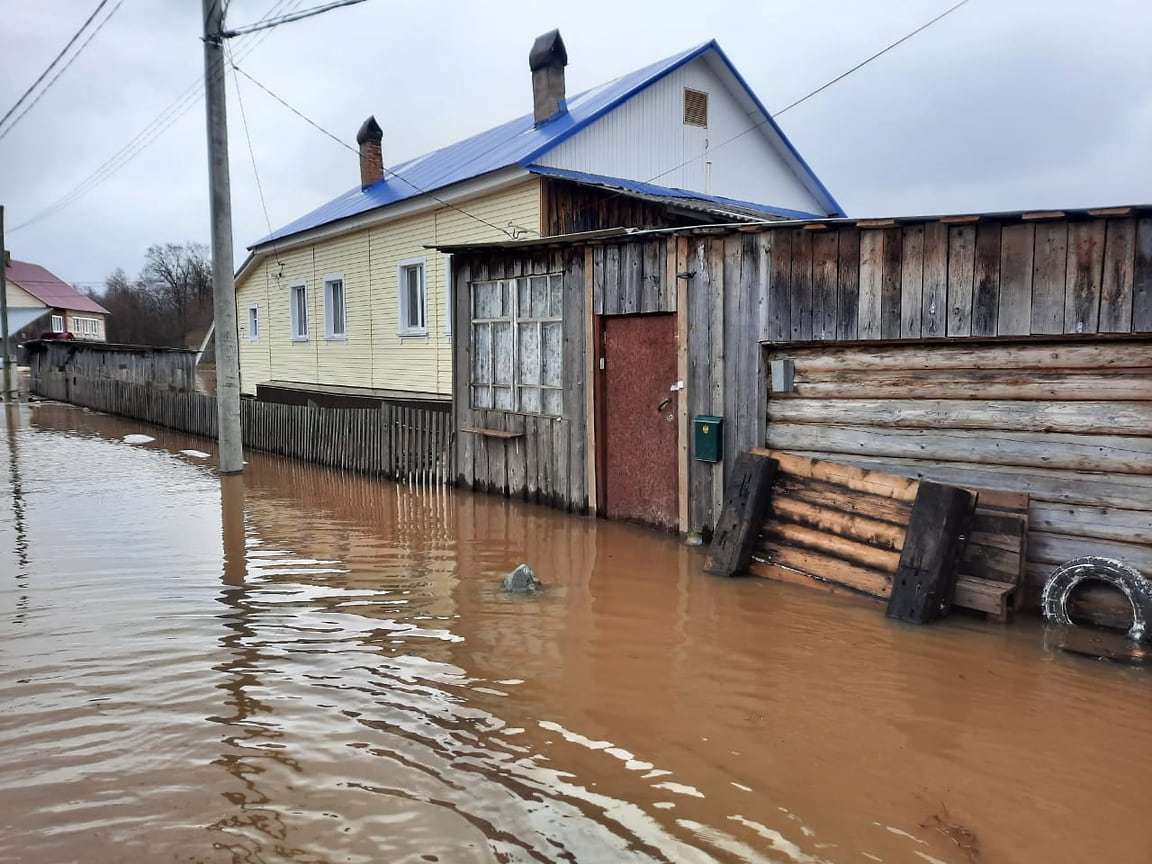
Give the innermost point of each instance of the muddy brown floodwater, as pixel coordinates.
(335, 675)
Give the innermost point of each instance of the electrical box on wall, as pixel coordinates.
(708, 438)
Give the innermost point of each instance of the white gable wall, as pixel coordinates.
(647, 135)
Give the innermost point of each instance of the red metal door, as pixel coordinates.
(640, 411)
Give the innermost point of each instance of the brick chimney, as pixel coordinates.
(547, 61)
(371, 159)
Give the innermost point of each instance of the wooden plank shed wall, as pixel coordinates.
(546, 462)
(938, 279)
(1007, 354)
(548, 459)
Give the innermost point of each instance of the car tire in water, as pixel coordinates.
(1065, 578)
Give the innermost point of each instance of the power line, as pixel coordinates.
(812, 93)
(56, 60)
(62, 70)
(251, 151)
(148, 135)
(387, 171)
(286, 19)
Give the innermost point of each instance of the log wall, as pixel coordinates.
(1069, 423)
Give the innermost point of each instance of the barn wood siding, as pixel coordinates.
(975, 280)
(570, 208)
(1069, 423)
(537, 458)
(161, 368)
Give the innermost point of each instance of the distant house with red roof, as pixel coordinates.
(34, 293)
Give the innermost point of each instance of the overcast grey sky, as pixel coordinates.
(1001, 105)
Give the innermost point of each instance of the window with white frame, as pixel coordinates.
(335, 326)
(253, 323)
(413, 297)
(298, 310)
(82, 326)
(57, 323)
(517, 344)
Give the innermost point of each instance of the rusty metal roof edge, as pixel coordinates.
(609, 234)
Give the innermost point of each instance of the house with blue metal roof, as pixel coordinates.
(351, 301)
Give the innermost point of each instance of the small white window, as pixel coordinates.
(253, 323)
(57, 323)
(298, 310)
(334, 309)
(413, 297)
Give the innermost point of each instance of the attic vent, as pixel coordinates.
(695, 107)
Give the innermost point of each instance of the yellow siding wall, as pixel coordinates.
(373, 355)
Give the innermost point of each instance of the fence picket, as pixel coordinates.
(399, 442)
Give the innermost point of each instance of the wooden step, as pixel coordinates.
(984, 595)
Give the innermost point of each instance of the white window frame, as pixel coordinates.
(516, 318)
(402, 267)
(57, 319)
(293, 315)
(330, 332)
(448, 296)
(254, 323)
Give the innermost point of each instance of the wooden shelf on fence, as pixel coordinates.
(492, 433)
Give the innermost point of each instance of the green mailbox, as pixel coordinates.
(708, 438)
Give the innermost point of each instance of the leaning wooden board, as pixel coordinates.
(842, 528)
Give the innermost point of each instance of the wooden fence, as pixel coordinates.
(407, 444)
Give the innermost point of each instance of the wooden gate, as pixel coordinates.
(640, 409)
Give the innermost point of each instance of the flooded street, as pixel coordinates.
(335, 675)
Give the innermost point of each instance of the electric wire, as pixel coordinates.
(56, 60)
(251, 150)
(286, 19)
(387, 171)
(812, 93)
(148, 135)
(16, 120)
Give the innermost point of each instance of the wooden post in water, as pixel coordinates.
(6, 358)
(223, 282)
(926, 576)
(745, 504)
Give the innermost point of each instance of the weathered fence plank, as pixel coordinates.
(402, 443)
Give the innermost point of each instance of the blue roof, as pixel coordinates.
(516, 143)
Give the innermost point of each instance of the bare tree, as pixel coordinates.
(169, 303)
(180, 274)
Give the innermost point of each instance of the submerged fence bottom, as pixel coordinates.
(400, 443)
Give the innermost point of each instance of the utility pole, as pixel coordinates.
(224, 288)
(7, 358)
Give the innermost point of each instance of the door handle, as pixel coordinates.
(663, 404)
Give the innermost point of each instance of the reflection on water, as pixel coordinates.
(300, 665)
